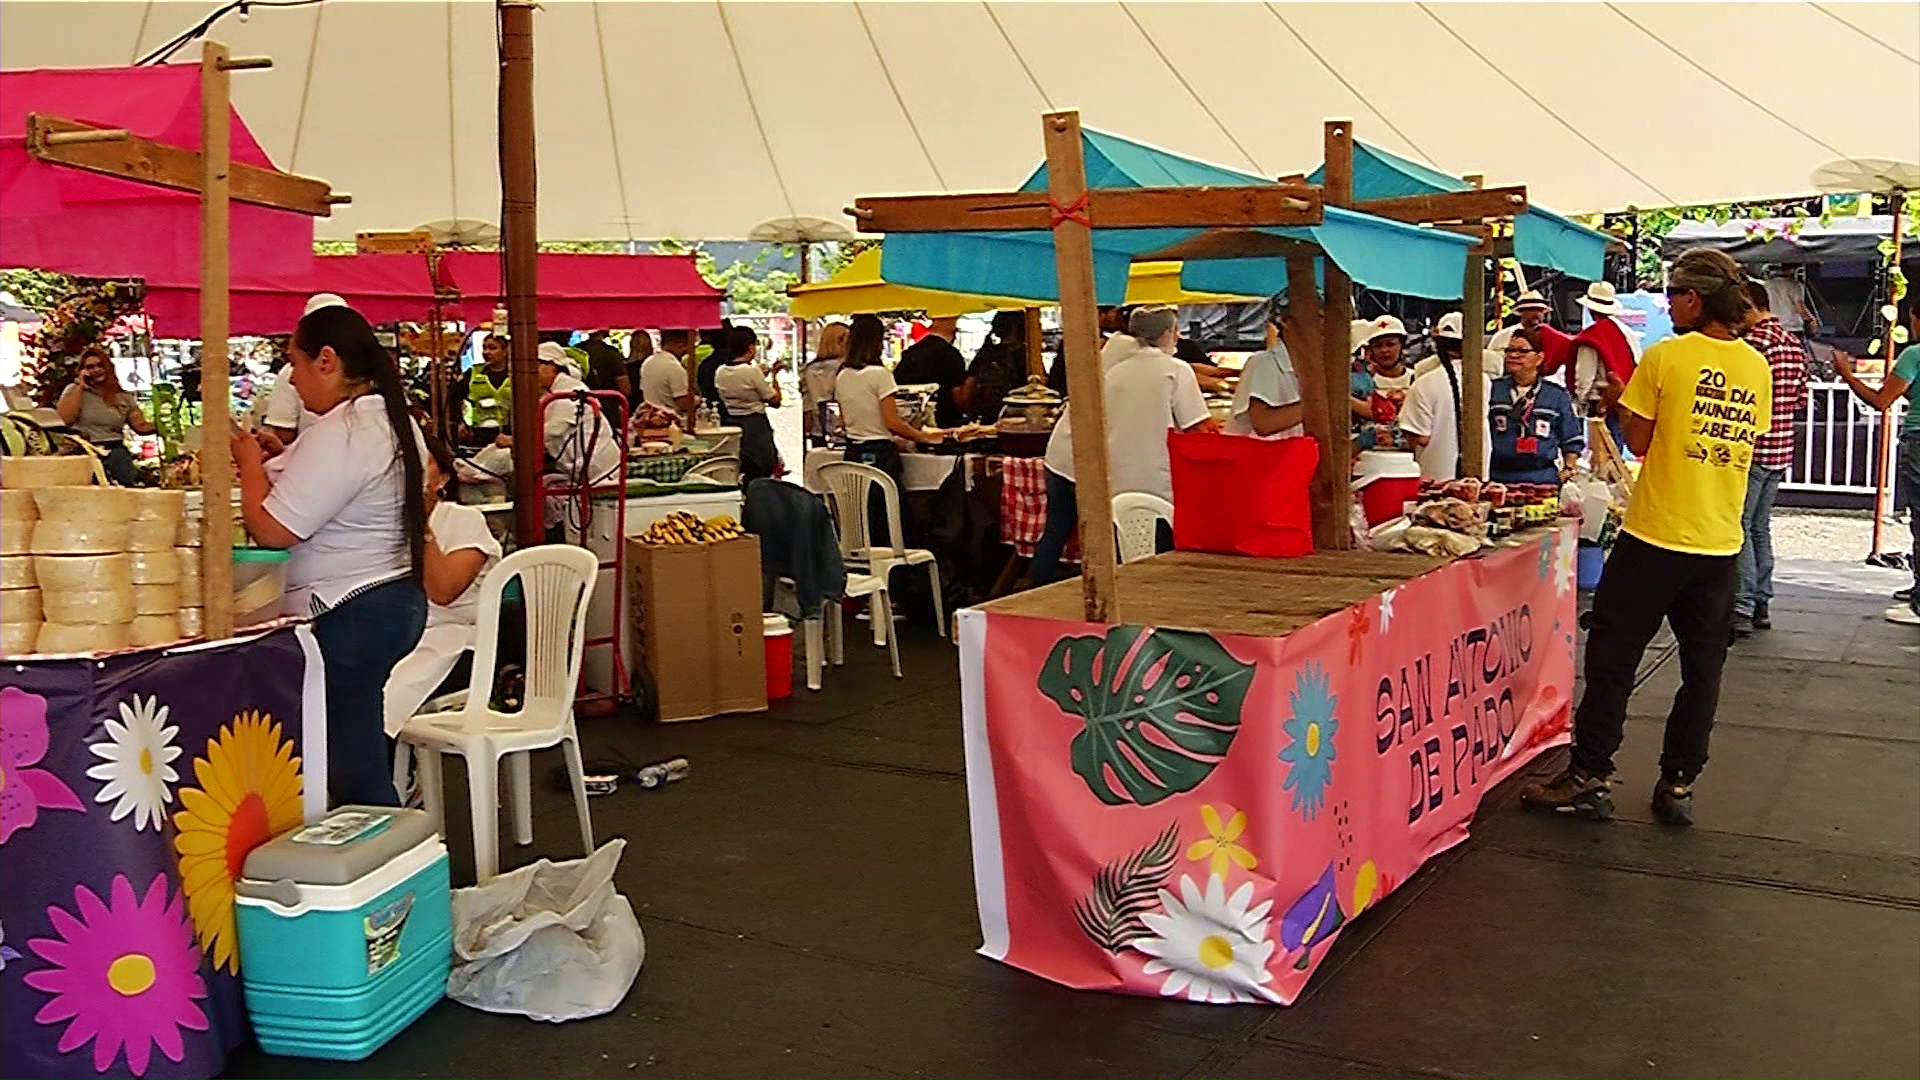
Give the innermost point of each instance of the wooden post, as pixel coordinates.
(1473, 345)
(1318, 413)
(1080, 347)
(216, 455)
(520, 237)
(1036, 356)
(1883, 478)
(1336, 348)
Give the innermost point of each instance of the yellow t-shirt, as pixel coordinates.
(1707, 399)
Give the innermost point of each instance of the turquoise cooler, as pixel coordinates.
(346, 932)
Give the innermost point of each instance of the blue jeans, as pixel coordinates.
(1907, 477)
(1756, 553)
(360, 642)
(1063, 516)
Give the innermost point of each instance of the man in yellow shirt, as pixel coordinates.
(1693, 409)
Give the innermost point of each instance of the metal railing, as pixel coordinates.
(1836, 442)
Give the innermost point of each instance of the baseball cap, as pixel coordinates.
(1451, 326)
(552, 352)
(1384, 326)
(322, 300)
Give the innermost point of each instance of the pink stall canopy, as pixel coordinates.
(582, 292)
(384, 288)
(54, 217)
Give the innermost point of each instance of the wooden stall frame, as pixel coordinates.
(210, 173)
(1069, 211)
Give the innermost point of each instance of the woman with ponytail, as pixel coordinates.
(348, 500)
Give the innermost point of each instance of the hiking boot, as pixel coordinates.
(1762, 616)
(1572, 792)
(1742, 626)
(1673, 801)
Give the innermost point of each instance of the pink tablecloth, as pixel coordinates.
(1023, 506)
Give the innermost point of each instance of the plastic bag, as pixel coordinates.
(552, 941)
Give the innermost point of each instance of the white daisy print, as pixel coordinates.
(1210, 946)
(1565, 555)
(138, 765)
(1386, 609)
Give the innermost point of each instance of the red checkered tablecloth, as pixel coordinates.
(1023, 506)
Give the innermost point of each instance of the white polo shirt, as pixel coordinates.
(283, 408)
(1269, 379)
(341, 492)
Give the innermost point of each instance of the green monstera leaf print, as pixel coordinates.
(1160, 706)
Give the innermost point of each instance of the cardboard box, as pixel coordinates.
(694, 616)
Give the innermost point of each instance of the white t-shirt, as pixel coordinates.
(663, 381)
(1786, 297)
(859, 391)
(341, 492)
(1148, 393)
(1429, 412)
(461, 528)
(558, 427)
(1059, 459)
(1268, 377)
(284, 409)
(743, 388)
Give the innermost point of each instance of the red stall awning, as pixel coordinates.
(384, 288)
(582, 292)
(54, 217)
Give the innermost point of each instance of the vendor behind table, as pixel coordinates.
(349, 502)
(864, 389)
(746, 393)
(100, 411)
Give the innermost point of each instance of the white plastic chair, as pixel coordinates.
(848, 485)
(724, 469)
(556, 580)
(824, 639)
(1136, 519)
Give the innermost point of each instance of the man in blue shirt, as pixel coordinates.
(1537, 433)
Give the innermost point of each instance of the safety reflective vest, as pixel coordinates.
(488, 405)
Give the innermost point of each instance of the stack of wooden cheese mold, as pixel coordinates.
(21, 608)
(187, 560)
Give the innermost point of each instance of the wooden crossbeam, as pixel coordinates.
(130, 157)
(1132, 208)
(1451, 206)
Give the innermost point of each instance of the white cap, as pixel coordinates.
(552, 352)
(322, 300)
(1384, 326)
(1451, 326)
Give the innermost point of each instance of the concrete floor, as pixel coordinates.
(808, 905)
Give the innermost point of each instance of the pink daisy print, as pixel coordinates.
(124, 974)
(24, 789)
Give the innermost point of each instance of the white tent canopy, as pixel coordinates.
(703, 119)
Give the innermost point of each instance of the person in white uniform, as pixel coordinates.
(1430, 419)
(1267, 401)
(349, 502)
(1148, 393)
(460, 551)
(746, 394)
(580, 445)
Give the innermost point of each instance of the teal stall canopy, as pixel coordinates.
(1380, 254)
(1540, 237)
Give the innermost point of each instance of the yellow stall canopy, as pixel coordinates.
(859, 289)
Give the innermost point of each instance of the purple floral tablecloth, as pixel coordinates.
(132, 787)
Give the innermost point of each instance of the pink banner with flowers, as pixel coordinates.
(1184, 814)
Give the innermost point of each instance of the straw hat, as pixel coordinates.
(1601, 299)
(1532, 299)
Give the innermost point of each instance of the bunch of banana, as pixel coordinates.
(684, 527)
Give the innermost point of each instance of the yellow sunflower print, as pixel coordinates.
(249, 793)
